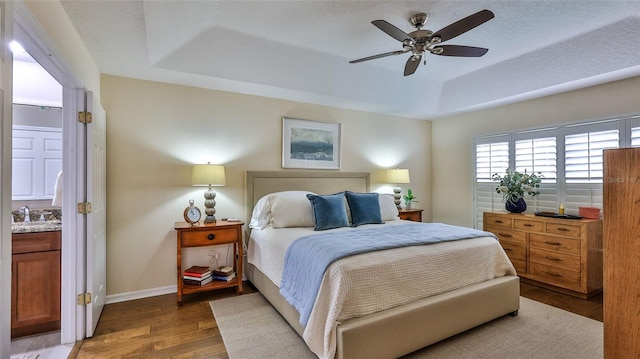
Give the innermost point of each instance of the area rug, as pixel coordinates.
(251, 328)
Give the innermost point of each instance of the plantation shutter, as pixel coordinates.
(536, 151)
(635, 132)
(584, 162)
(492, 156)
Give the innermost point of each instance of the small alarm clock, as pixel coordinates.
(192, 214)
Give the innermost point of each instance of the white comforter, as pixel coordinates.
(371, 282)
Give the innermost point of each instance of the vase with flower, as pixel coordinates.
(514, 185)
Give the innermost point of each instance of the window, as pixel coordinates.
(570, 159)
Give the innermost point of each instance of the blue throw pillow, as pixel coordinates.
(329, 211)
(365, 208)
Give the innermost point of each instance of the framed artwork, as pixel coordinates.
(310, 144)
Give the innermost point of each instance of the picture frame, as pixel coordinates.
(310, 144)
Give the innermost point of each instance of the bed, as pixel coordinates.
(395, 318)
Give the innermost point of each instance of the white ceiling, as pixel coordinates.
(299, 50)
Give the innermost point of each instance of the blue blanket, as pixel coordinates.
(308, 257)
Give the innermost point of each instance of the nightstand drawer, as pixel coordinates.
(209, 237)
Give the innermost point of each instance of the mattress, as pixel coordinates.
(367, 283)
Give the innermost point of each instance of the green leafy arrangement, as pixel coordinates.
(409, 197)
(514, 185)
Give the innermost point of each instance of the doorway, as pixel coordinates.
(37, 161)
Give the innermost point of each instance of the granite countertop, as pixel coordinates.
(39, 226)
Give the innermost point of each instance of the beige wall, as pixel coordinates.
(156, 131)
(453, 137)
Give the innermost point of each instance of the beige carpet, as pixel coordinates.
(251, 328)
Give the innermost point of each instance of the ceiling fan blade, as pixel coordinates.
(378, 56)
(412, 64)
(458, 50)
(461, 26)
(392, 31)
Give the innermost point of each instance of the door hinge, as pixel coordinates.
(83, 299)
(84, 117)
(84, 207)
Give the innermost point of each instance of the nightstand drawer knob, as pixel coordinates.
(211, 236)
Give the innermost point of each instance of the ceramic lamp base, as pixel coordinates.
(397, 191)
(210, 206)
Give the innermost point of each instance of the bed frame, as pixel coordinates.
(397, 331)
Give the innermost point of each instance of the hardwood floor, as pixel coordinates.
(157, 328)
(591, 308)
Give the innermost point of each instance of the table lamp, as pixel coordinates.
(398, 176)
(208, 175)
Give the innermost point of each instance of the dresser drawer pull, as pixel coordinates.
(553, 243)
(554, 274)
(498, 221)
(211, 236)
(562, 229)
(528, 225)
(505, 235)
(553, 258)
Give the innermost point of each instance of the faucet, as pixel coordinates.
(27, 217)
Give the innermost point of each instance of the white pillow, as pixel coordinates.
(291, 209)
(388, 208)
(261, 215)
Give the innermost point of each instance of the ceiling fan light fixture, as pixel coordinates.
(421, 41)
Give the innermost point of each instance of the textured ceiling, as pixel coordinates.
(300, 50)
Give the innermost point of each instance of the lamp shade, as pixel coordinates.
(398, 175)
(208, 175)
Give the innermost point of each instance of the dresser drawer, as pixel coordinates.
(509, 235)
(568, 230)
(520, 266)
(515, 251)
(528, 225)
(560, 244)
(497, 220)
(209, 237)
(555, 259)
(555, 276)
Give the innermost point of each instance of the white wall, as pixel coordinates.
(156, 131)
(453, 137)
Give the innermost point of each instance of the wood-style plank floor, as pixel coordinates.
(157, 328)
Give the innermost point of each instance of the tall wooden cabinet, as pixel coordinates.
(622, 253)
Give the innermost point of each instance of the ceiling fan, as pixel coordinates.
(420, 41)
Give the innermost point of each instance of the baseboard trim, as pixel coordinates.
(146, 293)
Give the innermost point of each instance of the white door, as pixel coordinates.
(96, 249)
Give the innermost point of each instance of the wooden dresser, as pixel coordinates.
(556, 253)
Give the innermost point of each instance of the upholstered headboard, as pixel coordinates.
(260, 183)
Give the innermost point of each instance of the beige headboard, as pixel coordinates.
(260, 183)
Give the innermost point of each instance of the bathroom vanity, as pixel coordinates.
(35, 277)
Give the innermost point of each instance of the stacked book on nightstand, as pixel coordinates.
(197, 275)
(224, 274)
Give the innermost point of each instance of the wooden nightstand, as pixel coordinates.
(414, 214)
(220, 232)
